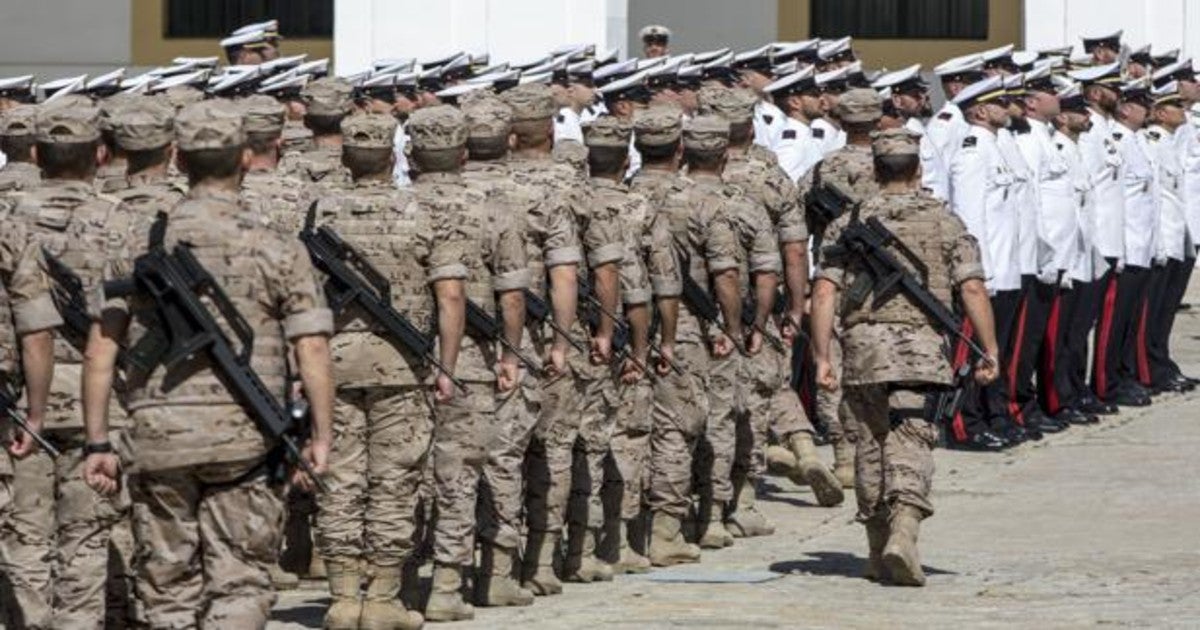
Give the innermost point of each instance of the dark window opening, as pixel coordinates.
(217, 18)
(900, 19)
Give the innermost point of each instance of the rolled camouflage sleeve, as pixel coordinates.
(635, 285)
(721, 245)
(510, 268)
(562, 245)
(297, 293)
(963, 256)
(783, 204)
(833, 263)
(764, 248)
(661, 264)
(447, 250)
(22, 268)
(601, 236)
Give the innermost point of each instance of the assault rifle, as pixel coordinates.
(8, 405)
(886, 277)
(69, 297)
(176, 281)
(749, 308)
(352, 279)
(700, 302)
(823, 204)
(484, 325)
(593, 311)
(537, 310)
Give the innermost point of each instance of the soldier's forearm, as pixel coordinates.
(37, 363)
(729, 298)
(823, 300)
(795, 273)
(639, 328)
(607, 286)
(99, 365)
(316, 373)
(979, 311)
(765, 287)
(668, 319)
(564, 294)
(512, 312)
(452, 320)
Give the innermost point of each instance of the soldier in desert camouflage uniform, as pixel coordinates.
(144, 130)
(383, 411)
(327, 101)
(895, 359)
(267, 190)
(110, 176)
(16, 142)
(497, 274)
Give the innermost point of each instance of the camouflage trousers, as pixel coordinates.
(679, 413)
(830, 410)
(58, 565)
(894, 457)
(463, 431)
(597, 423)
(206, 536)
(726, 401)
(549, 463)
(381, 440)
(770, 403)
(501, 499)
(625, 475)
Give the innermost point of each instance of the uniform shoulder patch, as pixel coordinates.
(1059, 145)
(789, 134)
(1117, 135)
(817, 132)
(1154, 135)
(945, 116)
(560, 119)
(767, 118)
(969, 141)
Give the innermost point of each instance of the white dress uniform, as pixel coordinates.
(1103, 163)
(831, 138)
(1056, 227)
(400, 168)
(568, 125)
(1070, 209)
(797, 150)
(1172, 237)
(1188, 142)
(946, 131)
(1024, 194)
(769, 123)
(1141, 196)
(981, 194)
(935, 174)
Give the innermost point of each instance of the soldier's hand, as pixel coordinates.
(630, 372)
(316, 453)
(21, 443)
(987, 370)
(443, 389)
(601, 350)
(102, 473)
(508, 373)
(557, 359)
(723, 346)
(789, 328)
(666, 357)
(754, 342)
(826, 377)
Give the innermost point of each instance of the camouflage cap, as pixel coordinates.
(144, 124)
(329, 96)
(180, 96)
(112, 106)
(735, 104)
(860, 105)
(19, 121)
(658, 126)
(64, 121)
(607, 131)
(437, 128)
(898, 141)
(488, 118)
(369, 131)
(531, 101)
(706, 133)
(263, 114)
(211, 124)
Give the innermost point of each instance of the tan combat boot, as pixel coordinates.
(667, 545)
(900, 555)
(713, 521)
(281, 579)
(843, 462)
(877, 536)
(809, 466)
(381, 609)
(446, 601)
(345, 579)
(496, 584)
(583, 566)
(537, 573)
(780, 461)
(746, 520)
(628, 559)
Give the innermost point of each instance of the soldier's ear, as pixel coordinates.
(512, 142)
(102, 154)
(33, 153)
(462, 156)
(247, 158)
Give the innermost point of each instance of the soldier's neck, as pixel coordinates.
(148, 175)
(534, 153)
(738, 150)
(264, 161)
(898, 187)
(333, 141)
(1166, 126)
(1066, 131)
(215, 185)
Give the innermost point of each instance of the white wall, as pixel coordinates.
(700, 25)
(55, 38)
(1165, 24)
(510, 30)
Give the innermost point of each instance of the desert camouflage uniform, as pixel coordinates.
(19, 176)
(296, 137)
(494, 255)
(146, 195)
(57, 552)
(18, 122)
(383, 412)
(550, 240)
(281, 200)
(207, 520)
(320, 166)
(895, 360)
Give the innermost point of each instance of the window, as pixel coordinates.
(216, 18)
(900, 19)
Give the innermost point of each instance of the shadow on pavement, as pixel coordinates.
(835, 563)
(309, 615)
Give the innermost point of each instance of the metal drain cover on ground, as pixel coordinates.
(713, 577)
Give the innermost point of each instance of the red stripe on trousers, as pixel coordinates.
(1014, 407)
(1106, 317)
(1050, 359)
(1143, 358)
(961, 354)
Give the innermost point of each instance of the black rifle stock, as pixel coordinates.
(8, 405)
(621, 332)
(352, 279)
(749, 311)
(484, 325)
(537, 310)
(176, 281)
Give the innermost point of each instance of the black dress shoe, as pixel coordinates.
(1016, 434)
(1095, 406)
(1184, 383)
(985, 441)
(1074, 416)
(1129, 397)
(1044, 423)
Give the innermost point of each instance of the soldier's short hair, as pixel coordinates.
(702, 160)
(605, 161)
(322, 125)
(364, 161)
(141, 160)
(67, 160)
(17, 148)
(741, 132)
(438, 161)
(892, 168)
(205, 164)
(487, 148)
(532, 132)
(262, 142)
(657, 153)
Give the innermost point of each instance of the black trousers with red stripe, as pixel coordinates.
(1118, 298)
(1084, 306)
(1164, 304)
(1028, 335)
(1056, 372)
(1134, 360)
(994, 399)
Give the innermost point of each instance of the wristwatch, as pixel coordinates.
(93, 448)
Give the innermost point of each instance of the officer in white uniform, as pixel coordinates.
(622, 98)
(798, 150)
(910, 99)
(581, 93)
(947, 128)
(826, 129)
(755, 67)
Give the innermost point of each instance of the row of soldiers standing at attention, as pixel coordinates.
(613, 259)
